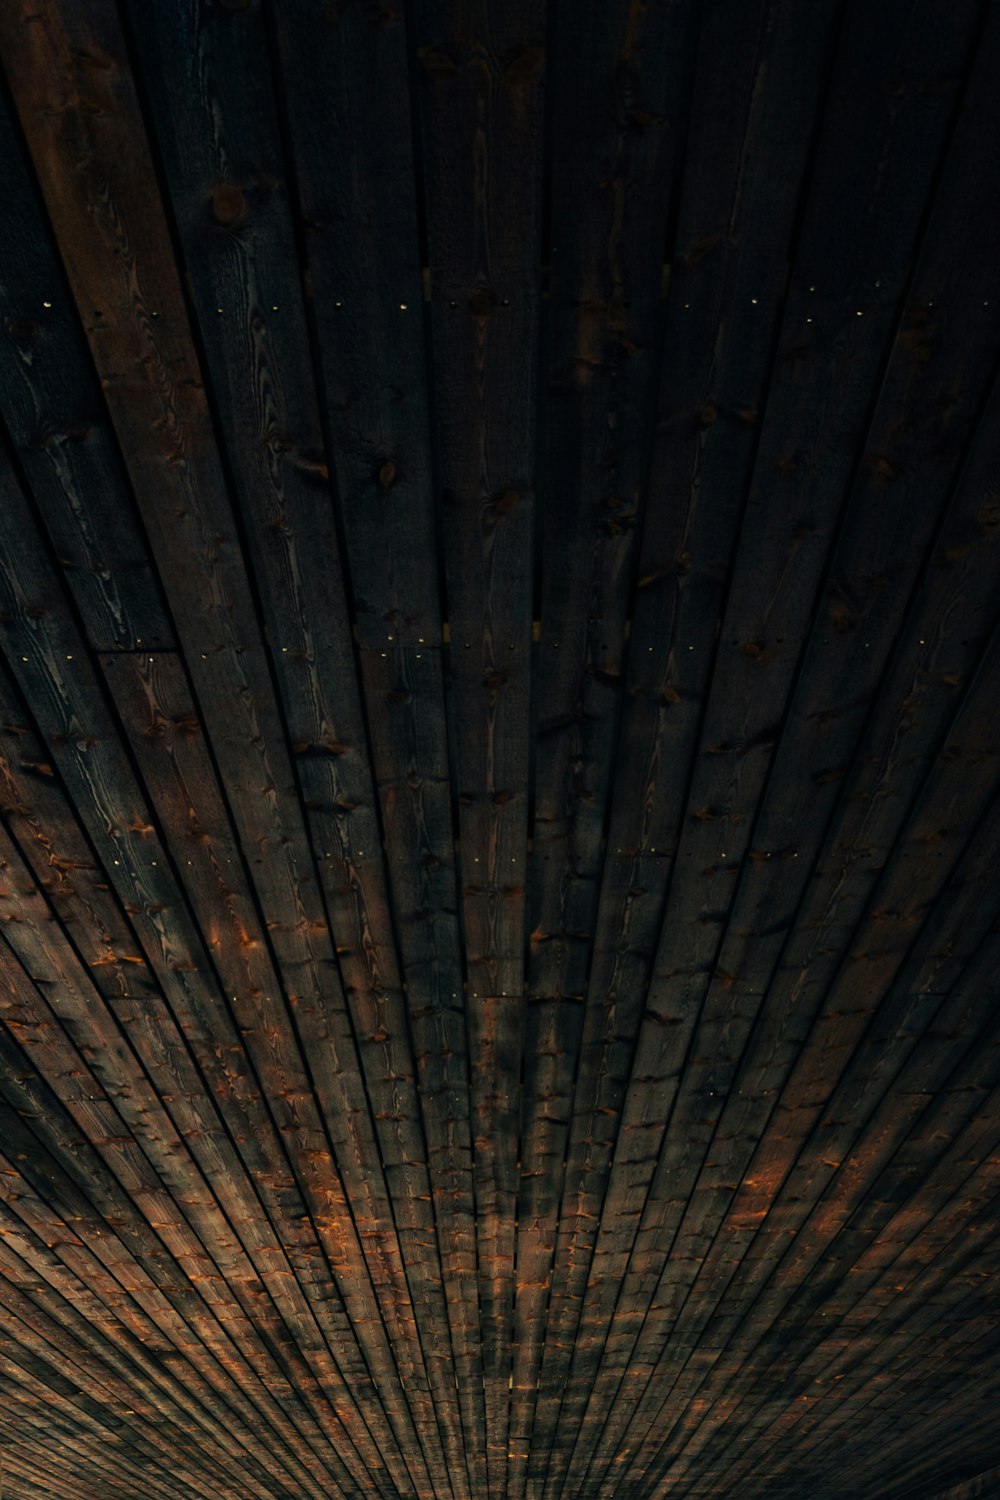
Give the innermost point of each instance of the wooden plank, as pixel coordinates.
(734, 221)
(138, 866)
(132, 1388)
(872, 1188)
(157, 386)
(349, 84)
(405, 703)
(65, 864)
(480, 110)
(801, 1194)
(140, 1272)
(938, 657)
(617, 118)
(309, 1064)
(21, 1451)
(67, 1454)
(105, 1313)
(250, 268)
(727, 783)
(453, 1036)
(59, 426)
(959, 1106)
(942, 1315)
(99, 1036)
(986, 1482)
(346, 105)
(184, 1282)
(150, 1445)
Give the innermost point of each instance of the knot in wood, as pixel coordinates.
(437, 63)
(482, 302)
(229, 204)
(523, 67)
(883, 467)
(988, 515)
(506, 501)
(387, 474)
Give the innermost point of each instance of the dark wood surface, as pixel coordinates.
(499, 749)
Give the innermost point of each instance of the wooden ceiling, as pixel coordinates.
(499, 581)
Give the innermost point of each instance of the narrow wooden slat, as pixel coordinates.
(97, 773)
(845, 1015)
(35, 1328)
(167, 396)
(241, 265)
(215, 1428)
(617, 118)
(499, 792)
(730, 241)
(480, 109)
(963, 566)
(405, 704)
(983, 1483)
(59, 426)
(21, 1451)
(956, 1109)
(182, 1281)
(813, 736)
(793, 1298)
(65, 865)
(130, 1261)
(68, 1455)
(96, 1032)
(345, 99)
(39, 1030)
(346, 108)
(926, 1266)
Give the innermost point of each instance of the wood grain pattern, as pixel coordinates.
(499, 779)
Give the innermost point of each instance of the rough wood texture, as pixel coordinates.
(499, 772)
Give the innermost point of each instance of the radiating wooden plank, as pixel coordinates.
(90, 1299)
(231, 132)
(345, 99)
(961, 568)
(968, 1489)
(66, 865)
(105, 1042)
(67, 1454)
(309, 1060)
(54, 411)
(846, 1222)
(138, 864)
(957, 1111)
(143, 1444)
(617, 119)
(813, 737)
(943, 1294)
(349, 84)
(733, 224)
(480, 98)
(28, 1018)
(97, 1198)
(694, 924)
(142, 1274)
(342, 1155)
(220, 619)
